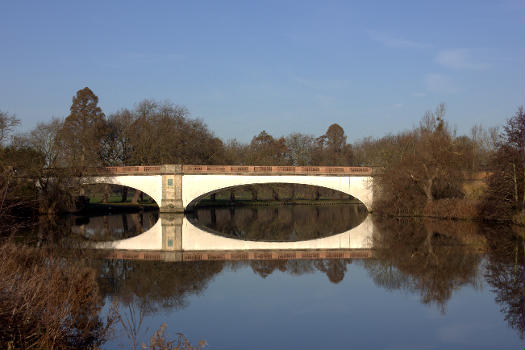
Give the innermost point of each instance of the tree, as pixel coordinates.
(505, 195)
(419, 166)
(83, 130)
(332, 148)
(162, 132)
(117, 146)
(300, 149)
(7, 124)
(265, 150)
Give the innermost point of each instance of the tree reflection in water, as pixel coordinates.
(433, 258)
(505, 273)
(426, 257)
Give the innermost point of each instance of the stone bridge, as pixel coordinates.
(177, 188)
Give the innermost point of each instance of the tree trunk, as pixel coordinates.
(124, 194)
(232, 195)
(106, 194)
(427, 188)
(515, 185)
(125, 225)
(136, 196)
(275, 194)
(213, 197)
(253, 191)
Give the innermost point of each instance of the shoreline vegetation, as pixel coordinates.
(422, 169)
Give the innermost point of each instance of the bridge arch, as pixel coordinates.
(149, 184)
(195, 187)
(195, 201)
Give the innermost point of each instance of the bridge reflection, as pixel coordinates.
(176, 233)
(241, 255)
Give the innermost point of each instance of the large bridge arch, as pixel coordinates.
(198, 186)
(149, 184)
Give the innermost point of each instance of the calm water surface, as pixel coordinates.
(431, 284)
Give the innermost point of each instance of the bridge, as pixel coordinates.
(178, 188)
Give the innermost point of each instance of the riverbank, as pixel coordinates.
(458, 209)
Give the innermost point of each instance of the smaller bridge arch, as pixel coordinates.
(149, 184)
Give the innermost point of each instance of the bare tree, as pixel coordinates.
(419, 167)
(505, 196)
(7, 125)
(300, 148)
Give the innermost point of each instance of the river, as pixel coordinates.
(413, 283)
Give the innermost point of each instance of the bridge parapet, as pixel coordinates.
(134, 170)
(230, 169)
(276, 170)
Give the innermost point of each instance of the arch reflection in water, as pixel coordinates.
(111, 227)
(176, 232)
(285, 223)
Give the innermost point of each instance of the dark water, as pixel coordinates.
(286, 223)
(112, 227)
(430, 284)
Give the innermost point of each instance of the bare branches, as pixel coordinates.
(7, 125)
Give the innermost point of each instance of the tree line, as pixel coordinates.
(420, 167)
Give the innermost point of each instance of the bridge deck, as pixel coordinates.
(231, 170)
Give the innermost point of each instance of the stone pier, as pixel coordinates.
(171, 201)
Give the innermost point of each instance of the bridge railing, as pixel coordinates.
(229, 169)
(275, 170)
(124, 170)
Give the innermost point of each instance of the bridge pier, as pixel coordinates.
(171, 189)
(171, 231)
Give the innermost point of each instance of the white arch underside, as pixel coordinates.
(195, 186)
(196, 239)
(149, 184)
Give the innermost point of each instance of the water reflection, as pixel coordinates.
(111, 227)
(427, 258)
(279, 223)
(505, 272)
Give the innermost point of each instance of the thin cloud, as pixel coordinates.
(395, 42)
(149, 57)
(419, 94)
(325, 100)
(321, 84)
(440, 83)
(458, 59)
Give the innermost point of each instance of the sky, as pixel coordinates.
(373, 67)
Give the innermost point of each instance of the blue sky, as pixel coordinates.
(374, 67)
